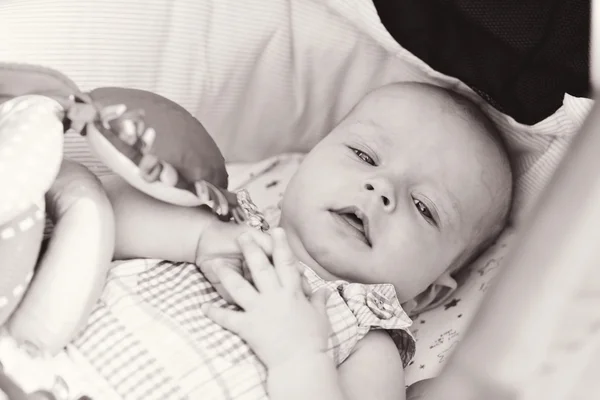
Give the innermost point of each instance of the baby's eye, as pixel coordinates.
(363, 156)
(424, 210)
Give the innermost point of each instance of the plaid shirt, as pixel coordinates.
(147, 338)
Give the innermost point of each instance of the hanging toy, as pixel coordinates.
(153, 143)
(157, 147)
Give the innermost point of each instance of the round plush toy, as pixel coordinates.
(30, 156)
(150, 141)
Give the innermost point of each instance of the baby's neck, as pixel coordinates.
(305, 258)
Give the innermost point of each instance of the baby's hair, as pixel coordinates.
(477, 114)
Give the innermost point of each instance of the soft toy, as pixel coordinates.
(153, 143)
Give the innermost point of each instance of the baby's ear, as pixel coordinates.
(436, 294)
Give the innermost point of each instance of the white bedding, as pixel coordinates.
(267, 78)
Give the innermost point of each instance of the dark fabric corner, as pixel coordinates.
(519, 55)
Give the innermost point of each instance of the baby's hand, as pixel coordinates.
(218, 249)
(278, 321)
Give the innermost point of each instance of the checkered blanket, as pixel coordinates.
(147, 338)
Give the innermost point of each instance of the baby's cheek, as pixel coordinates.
(287, 216)
(410, 264)
(291, 203)
(321, 251)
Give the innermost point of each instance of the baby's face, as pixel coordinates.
(394, 194)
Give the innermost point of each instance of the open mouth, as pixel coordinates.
(357, 220)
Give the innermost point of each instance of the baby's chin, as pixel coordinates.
(328, 268)
(303, 254)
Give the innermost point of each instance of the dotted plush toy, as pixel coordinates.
(30, 157)
(153, 143)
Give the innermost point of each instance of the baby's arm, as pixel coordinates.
(149, 228)
(373, 371)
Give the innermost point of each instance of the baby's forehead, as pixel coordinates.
(425, 118)
(411, 99)
(444, 135)
(435, 130)
(372, 129)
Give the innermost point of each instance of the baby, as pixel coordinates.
(408, 188)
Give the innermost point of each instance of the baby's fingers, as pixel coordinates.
(285, 262)
(263, 240)
(241, 291)
(228, 319)
(209, 267)
(263, 274)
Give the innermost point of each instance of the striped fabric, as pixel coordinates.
(147, 338)
(264, 77)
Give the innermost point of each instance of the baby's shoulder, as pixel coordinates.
(359, 310)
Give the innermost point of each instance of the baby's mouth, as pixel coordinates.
(357, 220)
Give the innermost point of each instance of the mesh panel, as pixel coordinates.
(519, 55)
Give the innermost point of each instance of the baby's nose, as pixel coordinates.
(385, 191)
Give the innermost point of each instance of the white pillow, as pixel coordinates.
(263, 77)
(267, 78)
